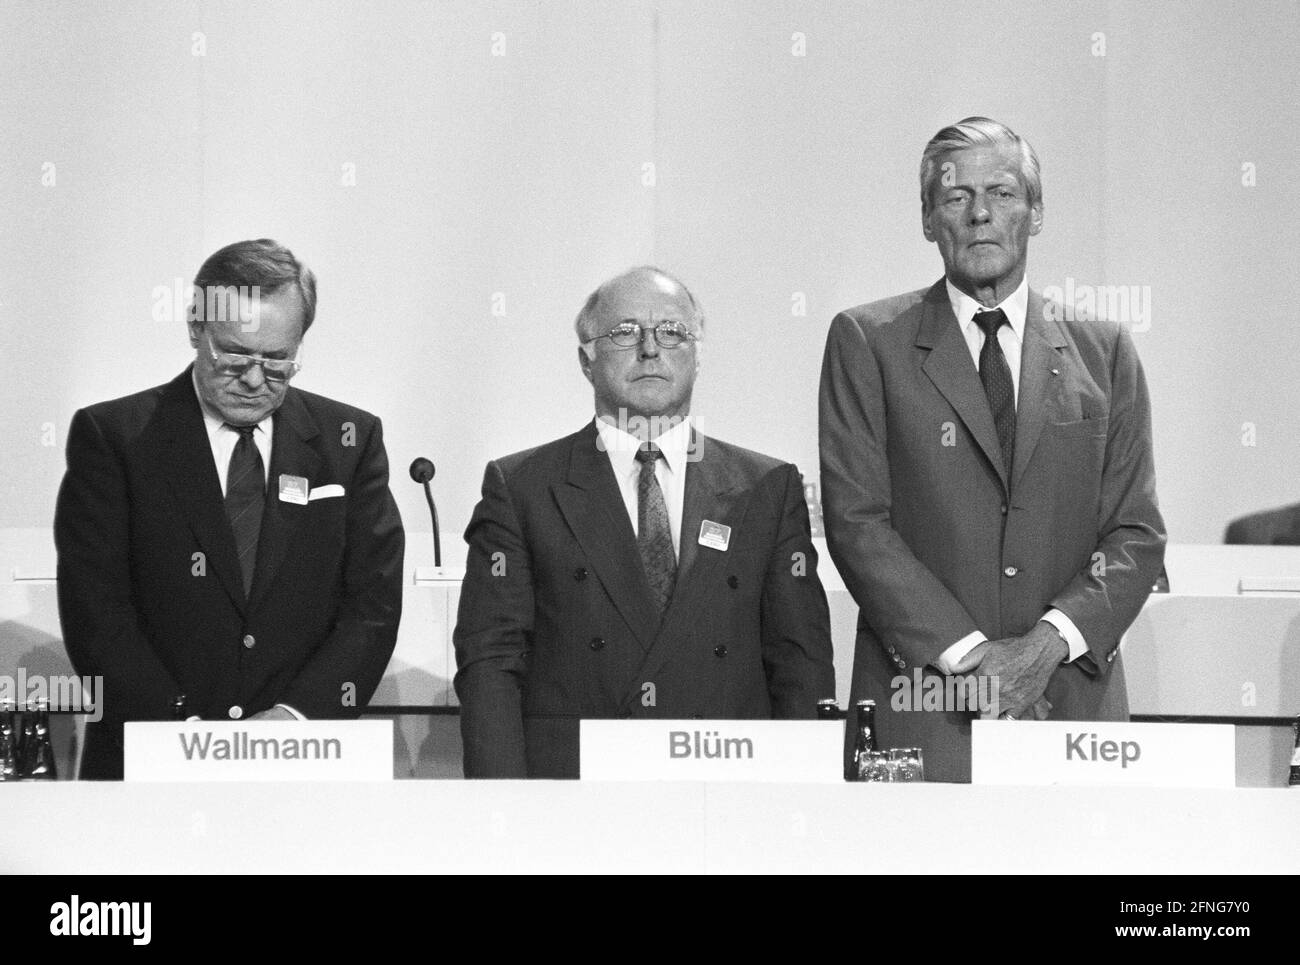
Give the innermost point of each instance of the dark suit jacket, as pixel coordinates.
(150, 592)
(556, 621)
(1280, 527)
(934, 541)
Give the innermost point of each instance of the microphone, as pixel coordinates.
(422, 471)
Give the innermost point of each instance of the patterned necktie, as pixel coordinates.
(654, 539)
(245, 495)
(996, 376)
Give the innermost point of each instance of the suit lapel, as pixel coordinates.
(950, 368)
(708, 495)
(292, 454)
(593, 507)
(186, 461)
(1039, 359)
(713, 493)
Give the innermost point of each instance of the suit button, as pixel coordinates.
(580, 573)
(733, 582)
(597, 643)
(1010, 571)
(249, 641)
(902, 664)
(720, 650)
(1004, 509)
(236, 712)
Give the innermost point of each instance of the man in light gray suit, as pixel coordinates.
(989, 486)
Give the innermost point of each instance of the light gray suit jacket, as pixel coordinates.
(936, 540)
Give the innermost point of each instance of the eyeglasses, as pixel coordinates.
(233, 363)
(630, 335)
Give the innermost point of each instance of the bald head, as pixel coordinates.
(591, 320)
(640, 378)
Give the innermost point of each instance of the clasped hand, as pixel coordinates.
(1021, 668)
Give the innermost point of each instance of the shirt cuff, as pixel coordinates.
(296, 715)
(1066, 628)
(952, 656)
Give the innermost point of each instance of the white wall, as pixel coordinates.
(523, 174)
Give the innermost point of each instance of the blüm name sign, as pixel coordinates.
(712, 750)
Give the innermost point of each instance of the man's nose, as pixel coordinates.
(979, 210)
(649, 347)
(253, 376)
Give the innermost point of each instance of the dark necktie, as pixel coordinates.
(245, 495)
(996, 376)
(654, 539)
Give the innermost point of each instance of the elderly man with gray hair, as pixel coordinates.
(987, 472)
(635, 568)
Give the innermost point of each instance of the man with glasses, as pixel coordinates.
(636, 568)
(228, 543)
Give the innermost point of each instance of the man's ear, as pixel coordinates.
(1036, 218)
(925, 224)
(584, 362)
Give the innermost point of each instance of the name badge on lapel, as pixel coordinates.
(294, 489)
(715, 535)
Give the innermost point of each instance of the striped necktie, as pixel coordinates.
(654, 538)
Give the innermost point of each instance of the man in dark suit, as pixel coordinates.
(226, 537)
(1273, 527)
(989, 488)
(635, 568)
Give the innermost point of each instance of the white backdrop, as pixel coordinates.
(460, 175)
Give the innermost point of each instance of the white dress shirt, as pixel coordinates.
(1011, 337)
(222, 438)
(621, 447)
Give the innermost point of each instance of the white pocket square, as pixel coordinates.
(325, 492)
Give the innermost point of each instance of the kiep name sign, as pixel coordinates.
(1102, 753)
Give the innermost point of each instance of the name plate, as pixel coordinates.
(712, 750)
(260, 750)
(1100, 753)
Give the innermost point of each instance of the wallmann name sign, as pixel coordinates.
(240, 747)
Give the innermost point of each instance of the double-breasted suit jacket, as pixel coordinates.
(557, 623)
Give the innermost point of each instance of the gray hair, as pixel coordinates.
(264, 264)
(974, 132)
(592, 304)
